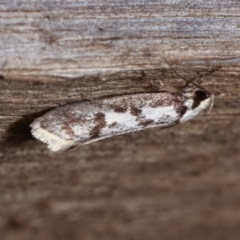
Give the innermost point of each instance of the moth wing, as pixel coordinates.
(53, 127)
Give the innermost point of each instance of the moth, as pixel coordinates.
(85, 122)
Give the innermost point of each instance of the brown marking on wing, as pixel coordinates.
(162, 101)
(157, 103)
(120, 109)
(112, 125)
(100, 124)
(167, 100)
(70, 121)
(145, 123)
(135, 111)
(66, 125)
(67, 128)
(179, 105)
(180, 109)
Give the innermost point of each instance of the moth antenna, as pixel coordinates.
(186, 80)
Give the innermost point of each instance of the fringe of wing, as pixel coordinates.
(55, 143)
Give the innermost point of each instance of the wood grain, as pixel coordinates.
(180, 182)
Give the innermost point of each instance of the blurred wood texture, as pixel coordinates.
(177, 183)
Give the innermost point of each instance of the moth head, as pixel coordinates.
(197, 100)
(199, 95)
(203, 98)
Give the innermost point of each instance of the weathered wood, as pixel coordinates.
(181, 182)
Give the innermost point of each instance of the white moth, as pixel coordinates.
(89, 121)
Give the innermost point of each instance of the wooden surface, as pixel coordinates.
(181, 182)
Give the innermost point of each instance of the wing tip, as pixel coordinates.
(54, 142)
